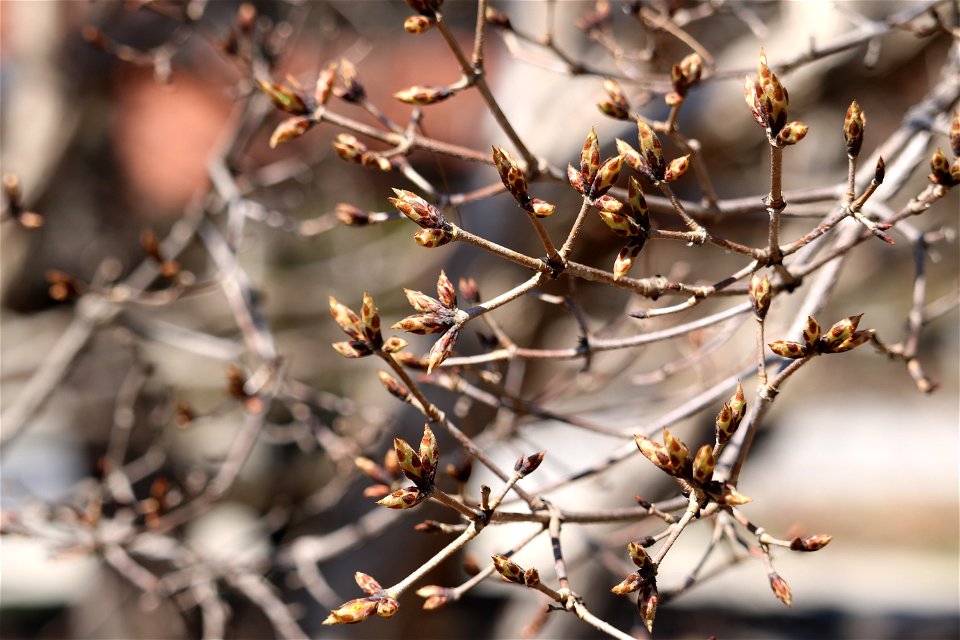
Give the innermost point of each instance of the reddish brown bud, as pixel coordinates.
(290, 129)
(676, 168)
(540, 208)
(811, 333)
(607, 176)
(424, 323)
(442, 348)
(639, 556)
(650, 152)
(792, 133)
(511, 571)
(677, 450)
(781, 589)
(370, 322)
(627, 257)
(346, 319)
(531, 577)
(730, 416)
(410, 462)
(434, 596)
(423, 95)
(283, 97)
(511, 175)
(772, 97)
(853, 125)
(429, 454)
(418, 24)
(387, 607)
(590, 157)
(352, 90)
(432, 238)
(393, 385)
(854, 341)
(445, 291)
(366, 583)
(880, 171)
(394, 344)
(403, 498)
(703, 464)
(787, 349)
(759, 293)
(575, 178)
(940, 169)
(686, 74)
(813, 543)
(496, 18)
(630, 584)
(417, 209)
(647, 603)
(617, 106)
(324, 84)
(348, 147)
(526, 466)
(352, 612)
(840, 331)
(630, 156)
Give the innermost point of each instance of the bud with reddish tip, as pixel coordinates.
(348, 147)
(442, 348)
(792, 133)
(788, 349)
(590, 157)
(781, 589)
(627, 256)
(676, 168)
(423, 95)
(759, 292)
(419, 24)
(811, 333)
(511, 175)
(575, 178)
(880, 171)
(607, 176)
(940, 172)
(526, 466)
(650, 151)
(629, 584)
(290, 129)
(840, 331)
(639, 556)
(617, 106)
(813, 543)
(853, 125)
(511, 571)
(647, 603)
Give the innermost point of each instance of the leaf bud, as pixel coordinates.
(792, 133)
(423, 95)
(853, 125)
(676, 168)
(759, 293)
(418, 24)
(511, 571)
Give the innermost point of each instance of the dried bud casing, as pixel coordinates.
(853, 125)
(423, 95)
(511, 571)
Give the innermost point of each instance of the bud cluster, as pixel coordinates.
(434, 315)
(643, 580)
(683, 76)
(420, 467)
(513, 179)
(435, 230)
(842, 336)
(377, 602)
(649, 160)
(363, 330)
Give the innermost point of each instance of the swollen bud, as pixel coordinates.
(792, 133)
(759, 292)
(509, 570)
(853, 125)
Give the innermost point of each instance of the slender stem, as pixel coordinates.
(761, 359)
(775, 204)
(449, 501)
(693, 510)
(575, 230)
(485, 307)
(479, 34)
(458, 543)
(851, 180)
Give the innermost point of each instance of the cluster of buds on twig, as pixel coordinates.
(683, 76)
(649, 160)
(595, 178)
(378, 601)
(630, 221)
(941, 172)
(853, 125)
(435, 315)
(842, 336)
(435, 230)
(364, 330)
(616, 105)
(510, 571)
(350, 149)
(673, 457)
(420, 467)
(768, 99)
(730, 416)
(643, 580)
(15, 209)
(512, 177)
